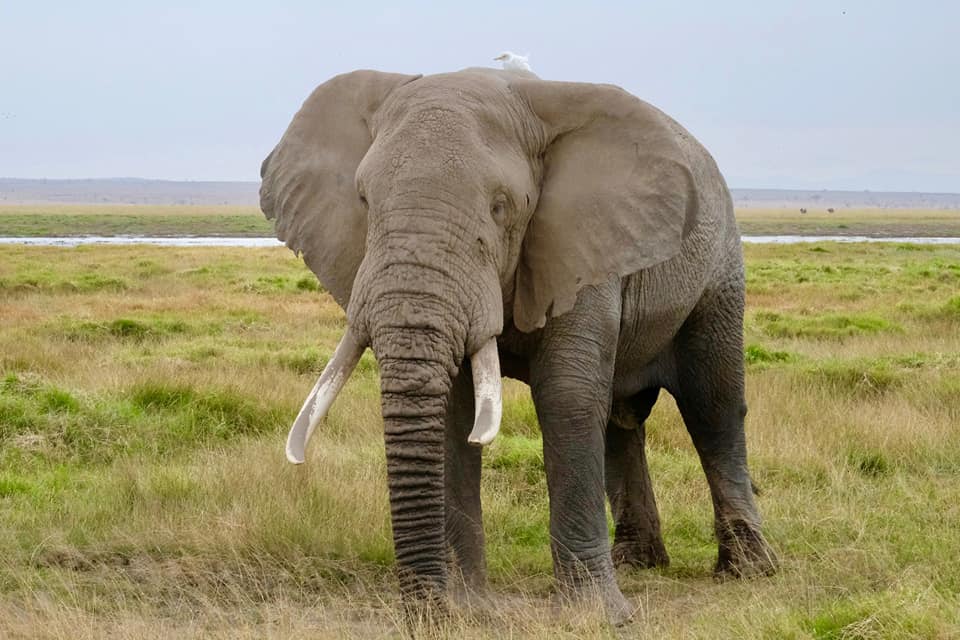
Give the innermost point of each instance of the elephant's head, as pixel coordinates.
(435, 210)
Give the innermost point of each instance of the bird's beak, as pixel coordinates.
(500, 58)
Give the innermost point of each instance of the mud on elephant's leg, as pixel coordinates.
(638, 541)
(710, 396)
(464, 517)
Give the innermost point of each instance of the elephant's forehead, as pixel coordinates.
(454, 101)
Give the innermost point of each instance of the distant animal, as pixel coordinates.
(830, 210)
(514, 62)
(802, 210)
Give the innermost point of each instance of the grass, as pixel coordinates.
(144, 220)
(247, 221)
(850, 222)
(145, 393)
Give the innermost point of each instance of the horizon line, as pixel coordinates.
(252, 182)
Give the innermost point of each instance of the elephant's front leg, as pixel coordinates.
(464, 519)
(571, 377)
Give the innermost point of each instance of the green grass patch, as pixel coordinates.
(825, 326)
(11, 485)
(281, 284)
(862, 376)
(520, 417)
(124, 329)
(119, 220)
(302, 361)
(199, 416)
(758, 355)
(44, 282)
(308, 283)
(45, 423)
(873, 615)
(519, 455)
(870, 463)
(951, 308)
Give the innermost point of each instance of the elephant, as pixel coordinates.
(487, 223)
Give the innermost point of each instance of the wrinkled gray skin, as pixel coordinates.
(587, 230)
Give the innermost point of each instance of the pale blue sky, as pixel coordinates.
(856, 95)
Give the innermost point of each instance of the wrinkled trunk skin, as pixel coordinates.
(418, 346)
(413, 397)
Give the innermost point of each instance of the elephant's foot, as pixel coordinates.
(640, 554)
(581, 587)
(619, 610)
(743, 552)
(425, 616)
(426, 602)
(471, 597)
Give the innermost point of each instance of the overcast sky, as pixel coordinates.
(814, 94)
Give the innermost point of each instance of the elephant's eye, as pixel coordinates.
(363, 201)
(498, 210)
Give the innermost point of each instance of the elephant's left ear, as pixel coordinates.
(618, 194)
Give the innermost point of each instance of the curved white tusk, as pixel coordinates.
(487, 393)
(331, 381)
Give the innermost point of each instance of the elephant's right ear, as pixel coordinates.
(308, 186)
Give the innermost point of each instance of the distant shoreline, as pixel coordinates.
(137, 191)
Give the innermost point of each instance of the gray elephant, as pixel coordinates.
(568, 235)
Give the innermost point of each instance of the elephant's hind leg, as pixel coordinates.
(710, 395)
(638, 541)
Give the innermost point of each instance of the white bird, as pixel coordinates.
(514, 62)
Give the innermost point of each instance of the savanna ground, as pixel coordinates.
(119, 219)
(229, 220)
(145, 395)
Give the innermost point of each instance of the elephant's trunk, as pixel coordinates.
(420, 340)
(415, 379)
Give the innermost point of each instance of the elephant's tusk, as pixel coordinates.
(331, 381)
(487, 393)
